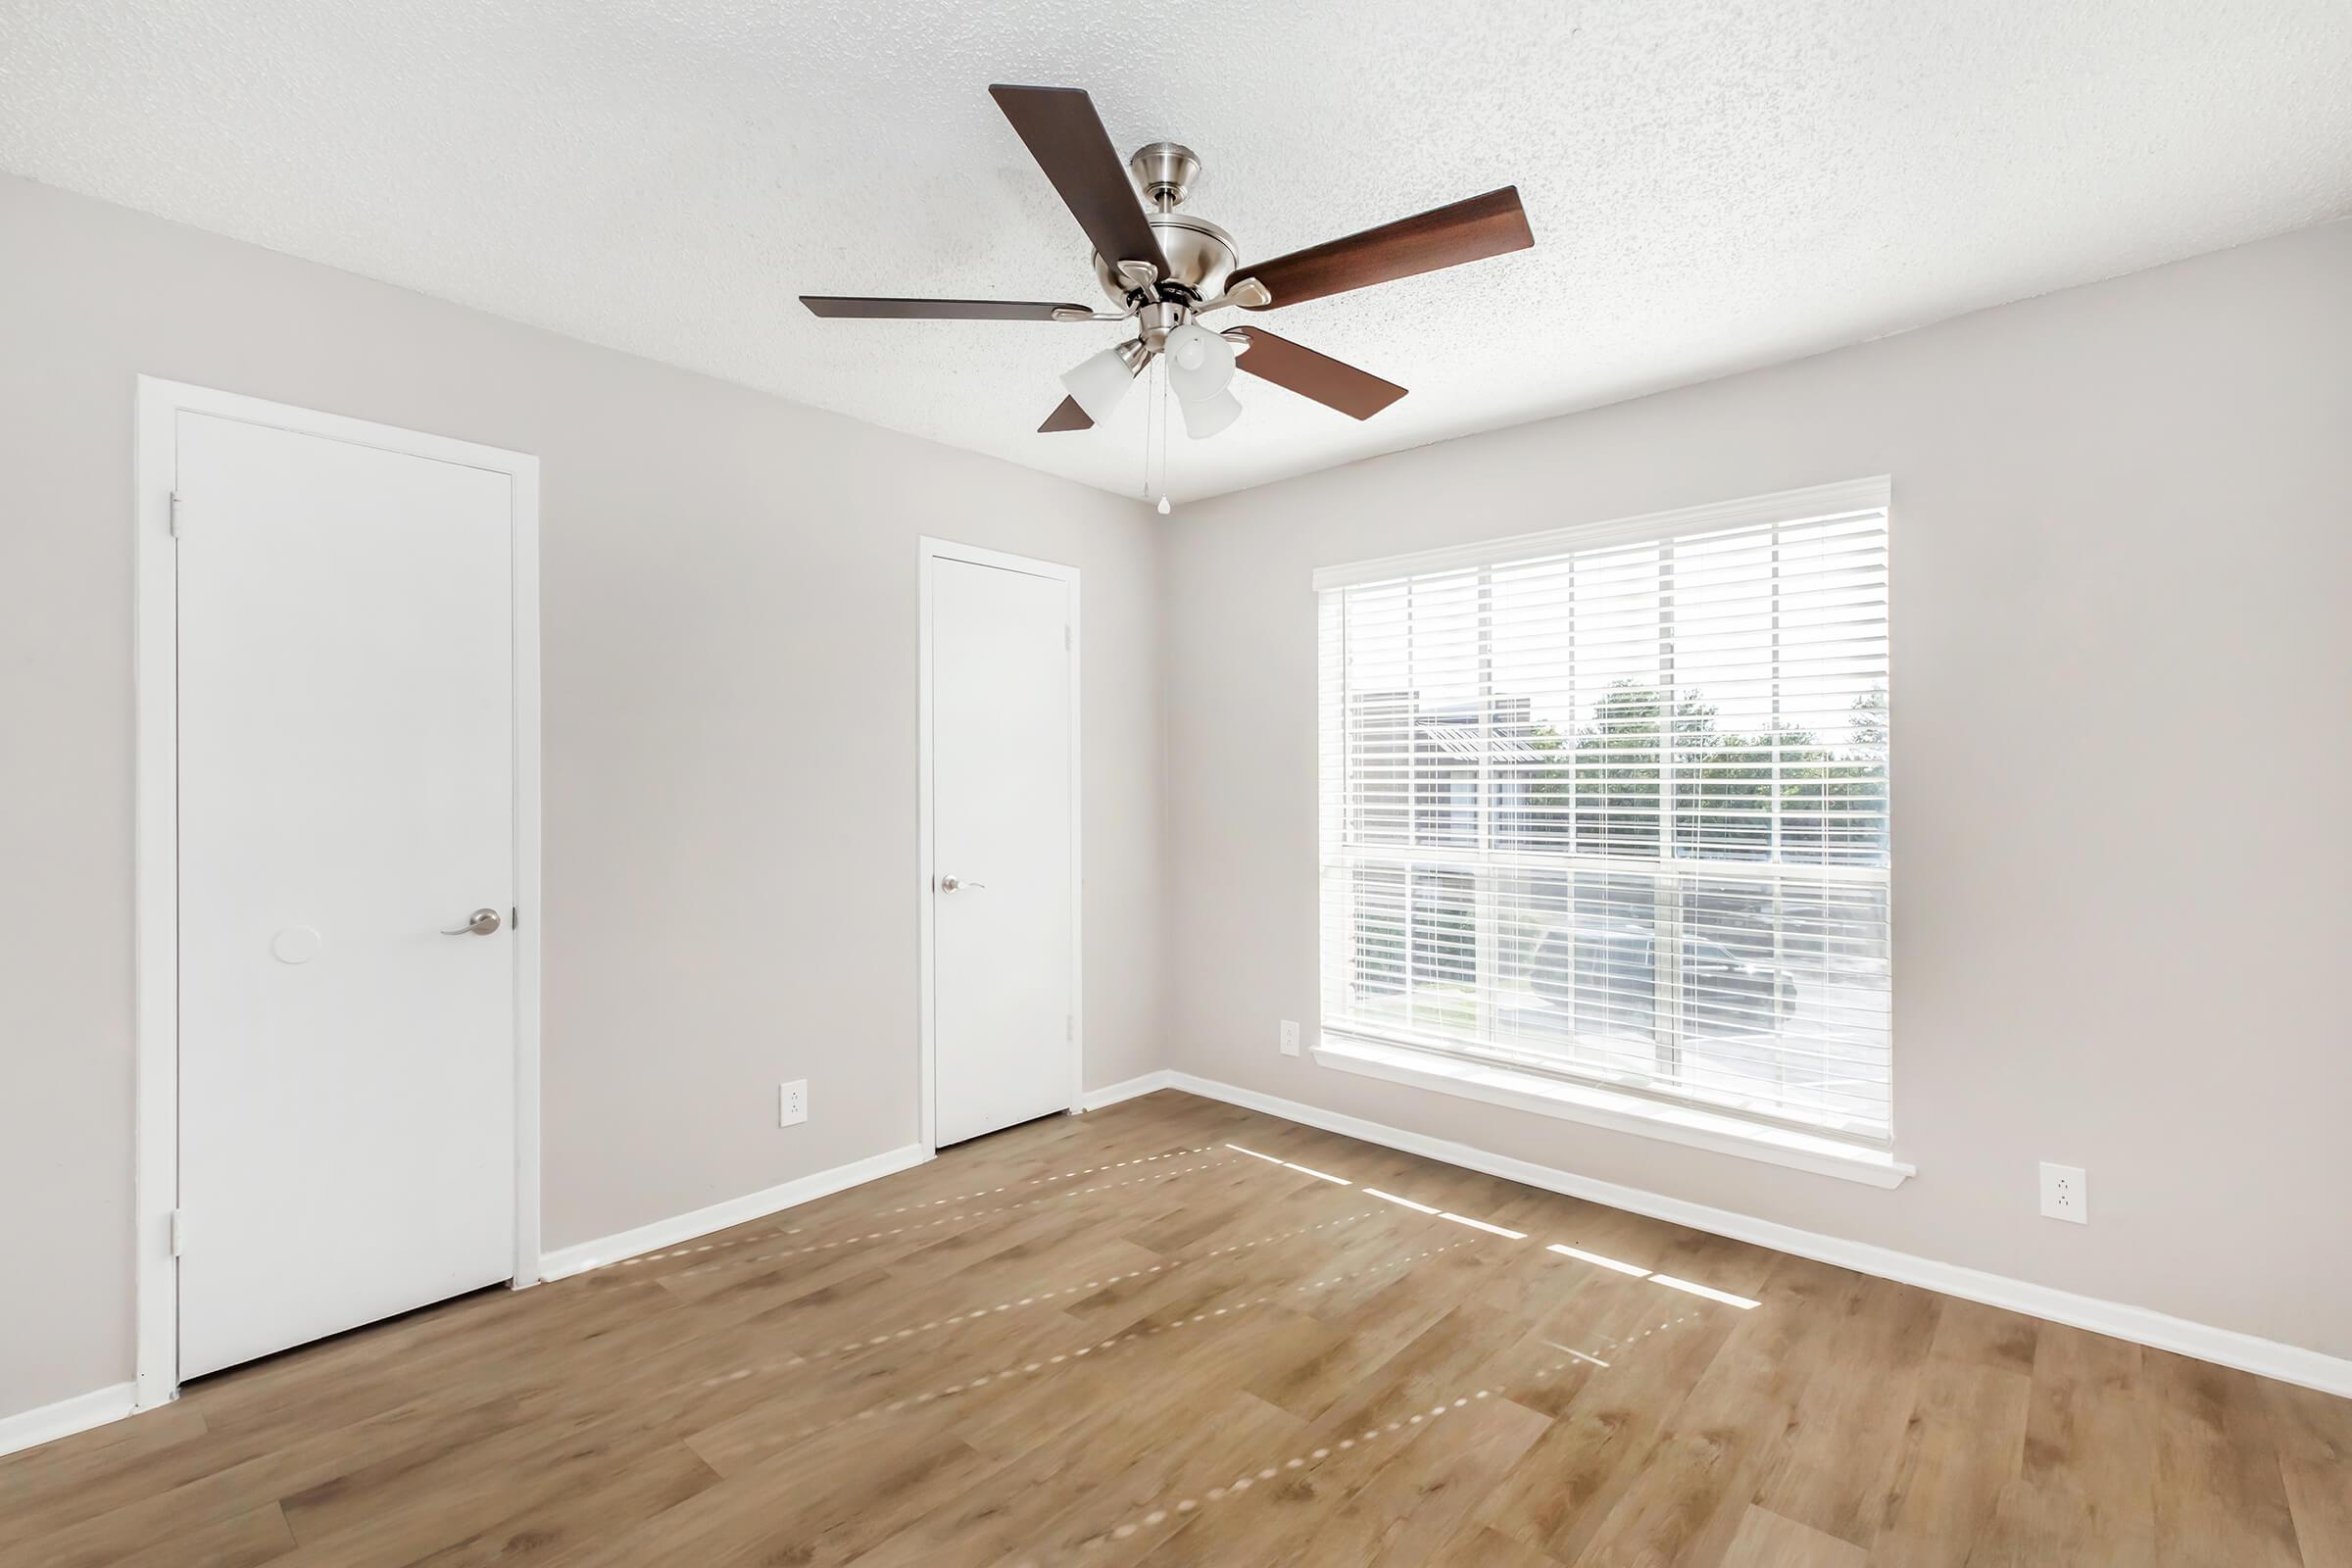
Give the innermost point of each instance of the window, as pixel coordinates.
(1610, 805)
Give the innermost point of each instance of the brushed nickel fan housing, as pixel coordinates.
(1200, 255)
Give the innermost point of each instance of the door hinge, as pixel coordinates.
(1068, 641)
(175, 515)
(1069, 1026)
(179, 1232)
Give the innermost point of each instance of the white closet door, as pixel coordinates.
(346, 797)
(1003, 901)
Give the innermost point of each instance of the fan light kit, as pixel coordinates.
(1165, 269)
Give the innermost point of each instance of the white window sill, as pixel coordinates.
(1601, 1108)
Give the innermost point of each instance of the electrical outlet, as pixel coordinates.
(1289, 1038)
(792, 1103)
(2065, 1192)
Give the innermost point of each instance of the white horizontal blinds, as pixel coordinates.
(1618, 811)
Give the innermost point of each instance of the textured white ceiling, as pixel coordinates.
(1712, 186)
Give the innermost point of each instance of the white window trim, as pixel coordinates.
(1672, 1122)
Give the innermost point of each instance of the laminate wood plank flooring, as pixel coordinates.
(1174, 1332)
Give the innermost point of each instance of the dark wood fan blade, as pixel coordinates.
(1068, 139)
(1067, 415)
(1357, 393)
(934, 310)
(1443, 236)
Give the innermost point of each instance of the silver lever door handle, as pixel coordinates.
(480, 924)
(949, 884)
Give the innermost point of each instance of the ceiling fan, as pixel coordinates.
(1165, 269)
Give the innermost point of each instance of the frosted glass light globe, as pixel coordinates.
(1199, 362)
(1099, 385)
(1205, 417)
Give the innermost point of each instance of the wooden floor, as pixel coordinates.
(1119, 1339)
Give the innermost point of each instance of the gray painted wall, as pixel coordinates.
(729, 644)
(2122, 545)
(2122, 717)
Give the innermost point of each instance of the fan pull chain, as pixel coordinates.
(1164, 440)
(1144, 491)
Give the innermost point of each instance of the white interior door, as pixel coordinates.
(1003, 907)
(346, 797)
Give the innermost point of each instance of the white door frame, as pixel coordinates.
(930, 551)
(155, 832)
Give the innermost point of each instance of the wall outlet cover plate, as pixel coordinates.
(2065, 1192)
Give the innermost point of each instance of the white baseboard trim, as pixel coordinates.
(2223, 1347)
(1111, 1093)
(30, 1429)
(585, 1255)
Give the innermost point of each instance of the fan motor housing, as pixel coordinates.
(1200, 253)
